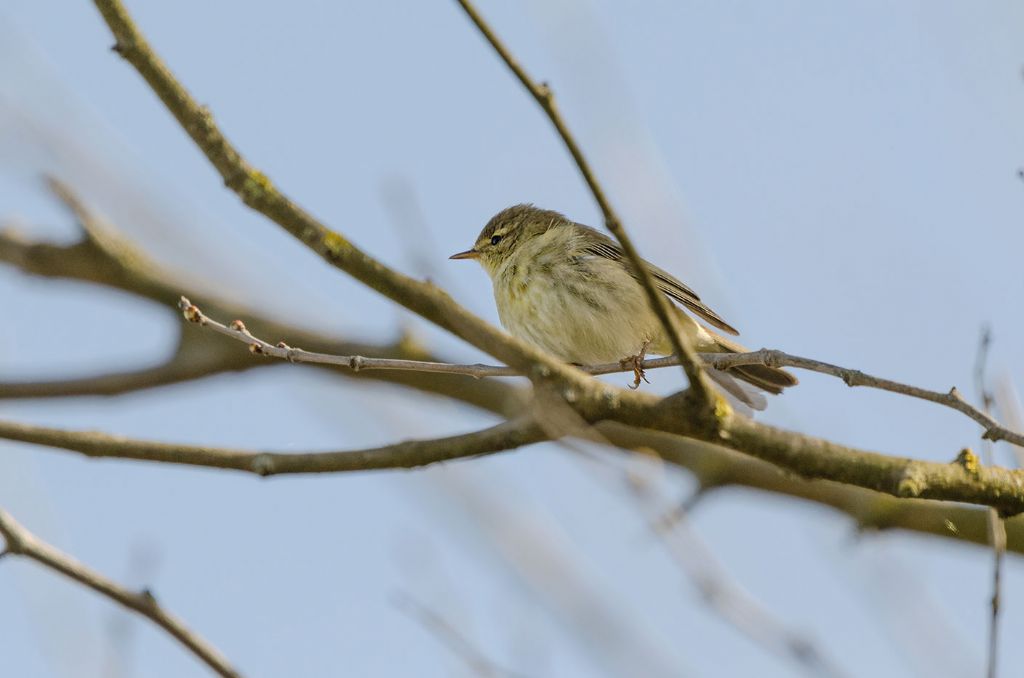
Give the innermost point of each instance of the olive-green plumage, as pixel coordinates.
(569, 289)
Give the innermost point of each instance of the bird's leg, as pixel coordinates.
(636, 362)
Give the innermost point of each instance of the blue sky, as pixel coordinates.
(838, 179)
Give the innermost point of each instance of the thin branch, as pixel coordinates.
(996, 529)
(21, 542)
(952, 398)
(357, 363)
(237, 330)
(409, 454)
(545, 98)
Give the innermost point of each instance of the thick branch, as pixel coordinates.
(543, 95)
(716, 468)
(21, 542)
(410, 454)
(965, 479)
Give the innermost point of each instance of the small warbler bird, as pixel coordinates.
(571, 291)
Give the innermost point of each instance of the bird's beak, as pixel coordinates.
(468, 254)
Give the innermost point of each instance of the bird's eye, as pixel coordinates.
(495, 239)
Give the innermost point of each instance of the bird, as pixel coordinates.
(570, 290)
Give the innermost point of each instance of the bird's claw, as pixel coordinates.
(637, 362)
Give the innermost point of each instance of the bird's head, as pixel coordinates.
(507, 233)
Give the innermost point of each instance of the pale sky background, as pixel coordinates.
(838, 179)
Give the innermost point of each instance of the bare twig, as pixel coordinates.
(237, 330)
(545, 98)
(996, 528)
(951, 398)
(21, 542)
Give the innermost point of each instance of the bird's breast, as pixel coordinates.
(581, 309)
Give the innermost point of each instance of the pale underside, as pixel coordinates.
(584, 308)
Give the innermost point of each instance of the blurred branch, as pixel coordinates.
(548, 565)
(730, 602)
(21, 542)
(103, 257)
(452, 638)
(1008, 404)
(545, 98)
(996, 529)
(410, 454)
(641, 478)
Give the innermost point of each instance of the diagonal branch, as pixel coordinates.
(409, 454)
(449, 635)
(543, 95)
(259, 193)
(21, 542)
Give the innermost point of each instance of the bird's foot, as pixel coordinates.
(637, 362)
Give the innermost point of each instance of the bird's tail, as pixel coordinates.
(768, 379)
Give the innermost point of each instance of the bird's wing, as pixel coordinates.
(603, 246)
